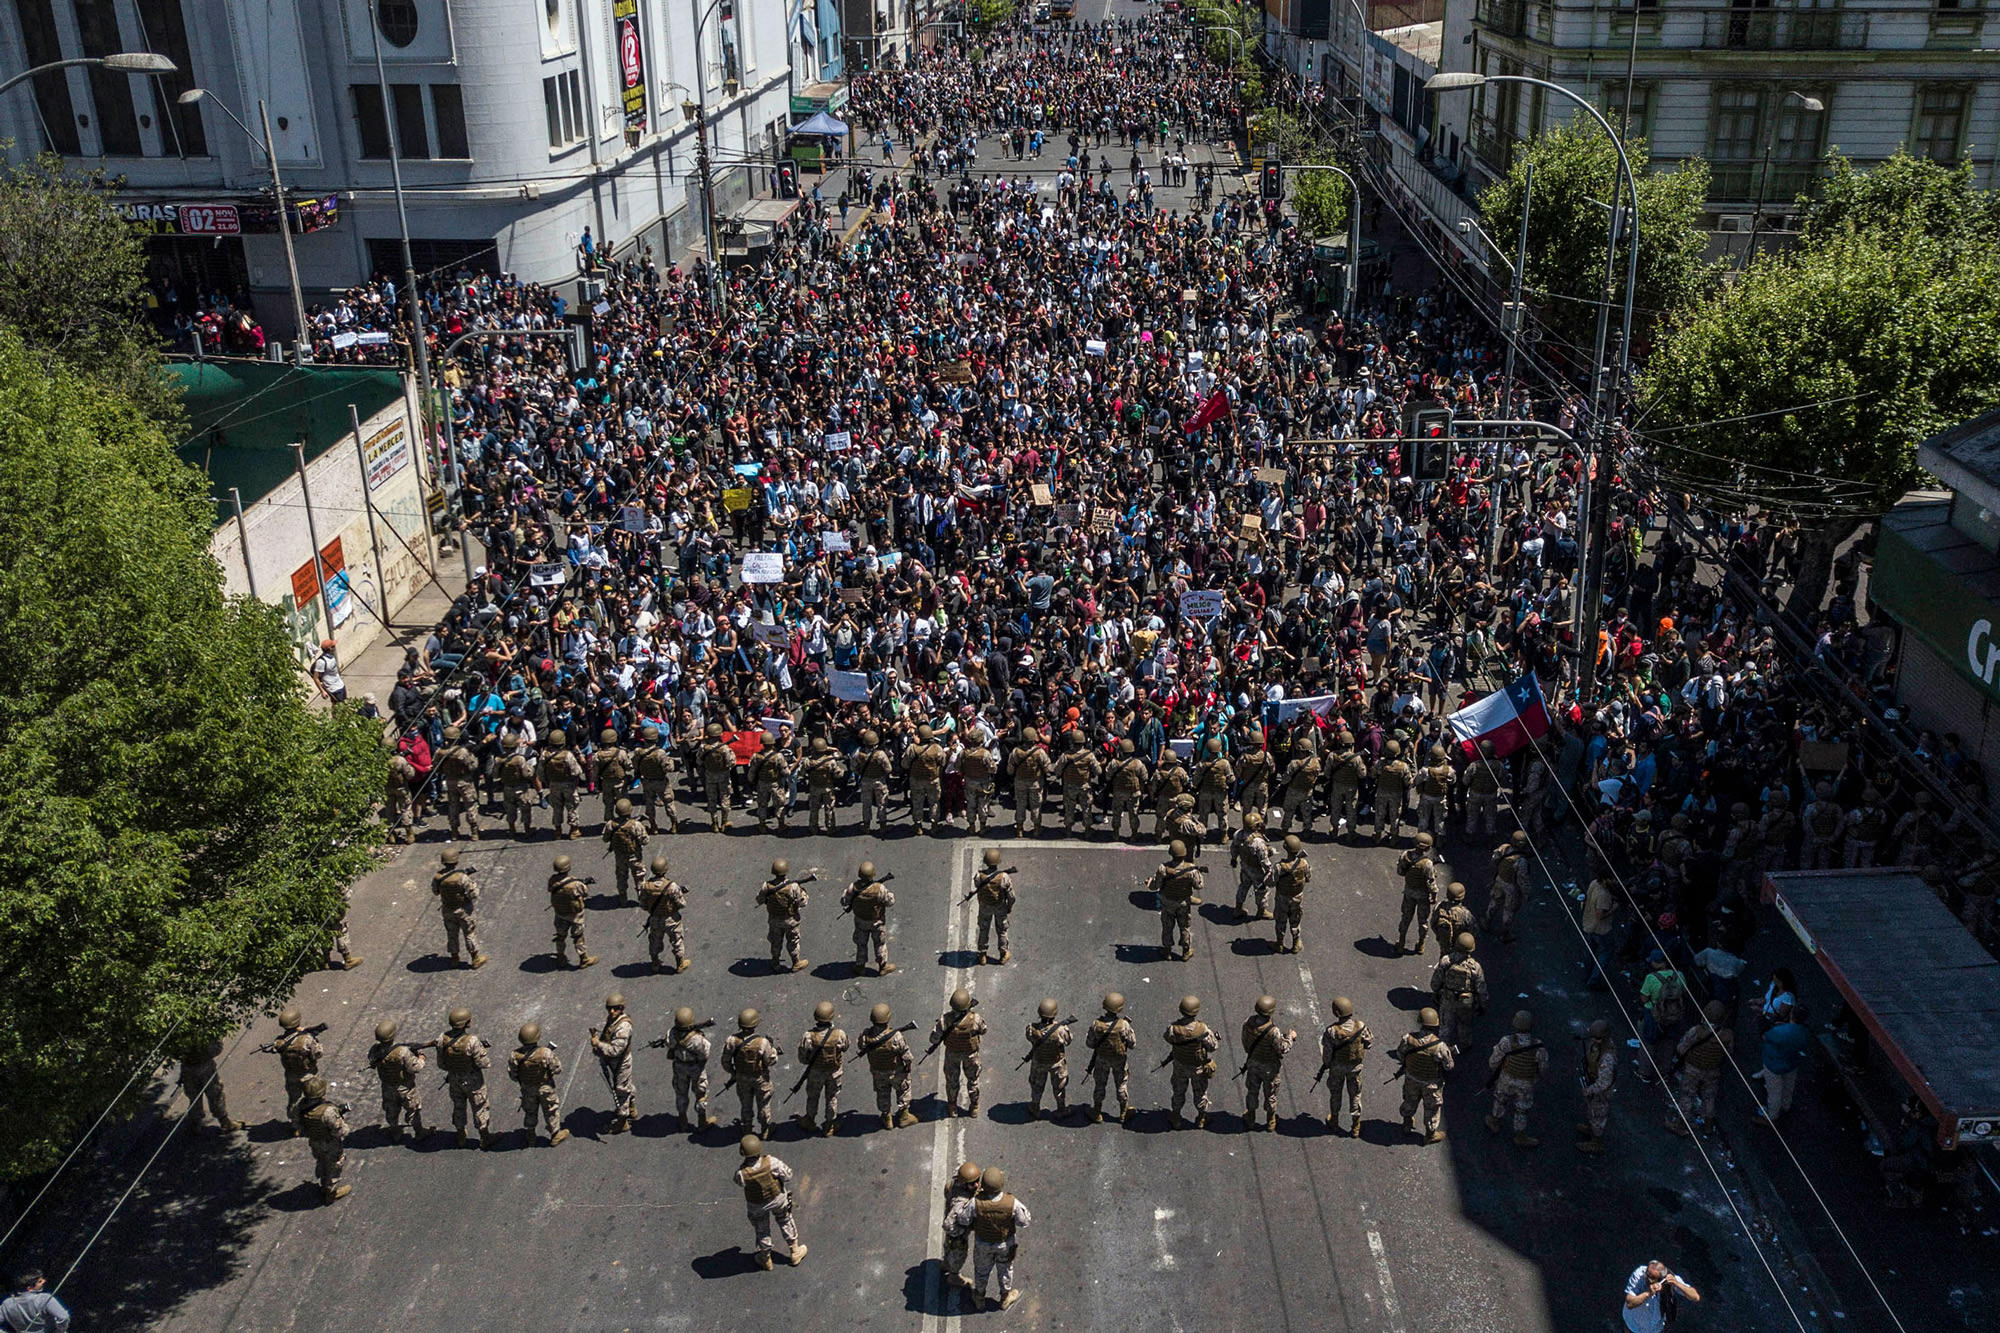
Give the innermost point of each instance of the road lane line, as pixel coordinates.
(1391, 1307)
(947, 1135)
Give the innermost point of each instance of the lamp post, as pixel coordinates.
(125, 62)
(301, 337)
(1804, 102)
(1590, 536)
(1510, 325)
(718, 289)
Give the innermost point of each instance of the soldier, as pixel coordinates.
(824, 770)
(1420, 892)
(1182, 825)
(1251, 854)
(963, 1185)
(1739, 847)
(889, 1063)
(1211, 788)
(771, 774)
(1915, 834)
(1048, 1059)
(767, 1183)
(203, 1085)
(1864, 826)
(995, 1220)
(1458, 985)
(1824, 821)
(784, 902)
(655, 764)
(612, 1045)
(1175, 884)
(688, 1049)
(1600, 1071)
(1029, 767)
(1433, 791)
(1482, 791)
(1452, 918)
(457, 768)
(298, 1053)
(562, 776)
(567, 893)
(924, 763)
(869, 899)
(977, 764)
(325, 1128)
(1265, 1045)
(717, 762)
(1111, 1039)
(1077, 770)
(400, 794)
(1777, 824)
(822, 1050)
(396, 1065)
(1423, 1059)
(1294, 873)
(1503, 900)
(994, 888)
(664, 900)
(1342, 1048)
(343, 944)
(463, 1058)
(748, 1057)
(1300, 780)
(1392, 791)
(1516, 1064)
(958, 1029)
(1698, 1058)
(1170, 783)
(457, 893)
(1193, 1046)
(1344, 774)
(518, 787)
(626, 835)
(614, 775)
(872, 766)
(537, 1069)
(1128, 785)
(1254, 769)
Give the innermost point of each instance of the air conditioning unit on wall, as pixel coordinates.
(1737, 222)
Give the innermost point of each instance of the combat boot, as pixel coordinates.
(1005, 954)
(1270, 1123)
(906, 1117)
(487, 1139)
(1009, 1298)
(656, 967)
(574, 832)
(777, 962)
(1264, 915)
(888, 1120)
(1409, 1124)
(1493, 1124)
(461, 1138)
(683, 964)
(1526, 1141)
(1124, 1115)
(885, 969)
(1096, 1115)
(352, 961)
(417, 1130)
(800, 964)
(982, 958)
(826, 1130)
(586, 960)
(764, 1260)
(333, 1193)
(618, 1125)
(1435, 1136)
(798, 1256)
(806, 1123)
(478, 961)
(1201, 1120)
(1174, 1119)
(1333, 1123)
(707, 1121)
(558, 1137)
(1592, 1145)
(1354, 1130)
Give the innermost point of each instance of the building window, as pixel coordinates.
(370, 120)
(163, 28)
(411, 137)
(117, 118)
(398, 21)
(1733, 135)
(43, 46)
(1940, 119)
(448, 109)
(562, 100)
(1640, 123)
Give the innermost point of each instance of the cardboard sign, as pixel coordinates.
(832, 541)
(837, 441)
(852, 595)
(1201, 604)
(1067, 515)
(851, 686)
(1252, 523)
(1823, 756)
(1274, 476)
(763, 567)
(633, 518)
(737, 498)
(1041, 493)
(1103, 520)
(771, 636)
(551, 575)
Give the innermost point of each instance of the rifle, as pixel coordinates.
(849, 905)
(604, 1068)
(1252, 1053)
(932, 1048)
(811, 1064)
(1317, 1077)
(271, 1047)
(657, 1042)
(1493, 1075)
(864, 1046)
(1063, 1023)
(1004, 870)
(652, 914)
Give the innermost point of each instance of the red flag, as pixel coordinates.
(1214, 410)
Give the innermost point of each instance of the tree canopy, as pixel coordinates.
(1320, 198)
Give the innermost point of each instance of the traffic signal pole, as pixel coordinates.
(1274, 185)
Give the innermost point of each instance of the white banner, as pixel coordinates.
(835, 541)
(1320, 704)
(549, 575)
(1201, 604)
(837, 441)
(849, 685)
(763, 567)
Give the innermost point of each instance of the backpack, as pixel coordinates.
(1667, 1000)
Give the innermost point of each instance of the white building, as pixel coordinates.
(519, 122)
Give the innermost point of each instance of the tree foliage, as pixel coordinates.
(1902, 194)
(1575, 165)
(1320, 198)
(177, 824)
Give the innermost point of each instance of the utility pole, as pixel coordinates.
(1511, 321)
(302, 335)
(421, 352)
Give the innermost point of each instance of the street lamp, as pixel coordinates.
(302, 337)
(718, 291)
(1806, 103)
(125, 62)
(1589, 537)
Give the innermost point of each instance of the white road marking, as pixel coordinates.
(948, 1134)
(1392, 1309)
(1166, 1259)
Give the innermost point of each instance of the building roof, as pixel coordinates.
(1966, 458)
(244, 416)
(1425, 41)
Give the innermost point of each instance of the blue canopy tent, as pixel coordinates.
(821, 123)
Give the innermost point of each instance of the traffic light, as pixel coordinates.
(788, 180)
(1272, 184)
(1432, 451)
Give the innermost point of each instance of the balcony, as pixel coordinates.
(1503, 18)
(1784, 30)
(1736, 182)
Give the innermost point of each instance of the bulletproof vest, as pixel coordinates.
(882, 1053)
(653, 890)
(460, 762)
(1173, 781)
(1347, 1044)
(927, 762)
(630, 836)
(770, 766)
(1257, 1042)
(1521, 1063)
(1130, 775)
(993, 1219)
(1178, 882)
(613, 765)
(296, 1056)
(1216, 775)
(822, 1040)
(823, 772)
(992, 886)
(1481, 780)
(1418, 881)
(1458, 982)
(1707, 1053)
(977, 764)
(1306, 774)
(518, 771)
(1506, 867)
(1033, 766)
(1868, 827)
(394, 1072)
(456, 1054)
(1187, 1040)
(873, 765)
(868, 904)
(452, 888)
(654, 763)
(566, 895)
(1393, 776)
(1255, 766)
(1347, 769)
(1436, 780)
(1113, 1039)
(753, 1057)
(760, 1182)
(1421, 1059)
(1823, 818)
(564, 768)
(1077, 771)
(717, 759)
(684, 1049)
(1046, 1048)
(531, 1068)
(780, 903)
(1292, 877)
(1594, 1057)
(321, 1120)
(962, 1036)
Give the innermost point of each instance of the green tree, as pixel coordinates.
(1902, 194)
(1318, 197)
(71, 276)
(1576, 168)
(177, 823)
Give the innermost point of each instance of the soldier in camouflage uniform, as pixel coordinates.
(1777, 824)
(1458, 984)
(869, 899)
(457, 893)
(1483, 789)
(1420, 891)
(655, 764)
(872, 767)
(1029, 767)
(717, 762)
(889, 1064)
(537, 1070)
(567, 893)
(1048, 1059)
(1254, 769)
(613, 1048)
(396, 1065)
(748, 1057)
(518, 783)
(1170, 783)
(401, 795)
(1699, 1057)
(1129, 779)
(1111, 1039)
(1182, 826)
(1265, 1045)
(1423, 1059)
(958, 1029)
(1211, 789)
(1342, 1047)
(766, 1183)
(1300, 782)
(784, 903)
(1345, 772)
(1293, 874)
(1077, 770)
(463, 1058)
(664, 900)
(562, 775)
(299, 1054)
(823, 1053)
(625, 833)
(824, 770)
(977, 765)
(995, 1219)
(457, 768)
(963, 1185)
(1452, 918)
(1517, 1063)
(1600, 1072)
(1824, 820)
(1864, 827)
(1434, 793)
(1192, 1046)
(202, 1083)
(924, 763)
(1175, 884)
(1253, 859)
(613, 766)
(688, 1049)
(1503, 900)
(321, 1122)
(994, 889)
(771, 775)
(1392, 791)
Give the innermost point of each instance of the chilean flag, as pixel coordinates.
(1510, 718)
(1214, 410)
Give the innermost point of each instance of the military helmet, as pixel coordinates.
(291, 1018)
(312, 1085)
(1423, 863)
(1679, 823)
(750, 1146)
(460, 1017)
(1215, 745)
(1256, 819)
(823, 1012)
(1267, 1005)
(1518, 838)
(1256, 735)
(1455, 891)
(558, 737)
(1075, 740)
(819, 745)
(869, 736)
(866, 870)
(780, 868)
(623, 809)
(1465, 943)
(1437, 754)
(748, 1019)
(448, 857)
(961, 999)
(453, 733)
(992, 856)
(1177, 849)
(768, 739)
(1486, 749)
(1190, 1005)
(881, 1013)
(1600, 1029)
(531, 1034)
(1185, 801)
(968, 1173)
(924, 733)
(683, 1017)
(659, 865)
(1292, 844)
(1739, 810)
(1307, 744)
(1427, 1017)
(615, 1000)
(715, 731)
(385, 1030)
(1393, 749)
(993, 1180)
(1125, 746)
(1249, 819)
(1426, 841)
(649, 732)
(562, 865)
(607, 737)
(1029, 736)
(1114, 1003)
(1343, 1007)
(1714, 1011)
(1047, 1008)
(1523, 1021)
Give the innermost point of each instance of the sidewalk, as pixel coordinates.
(374, 670)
